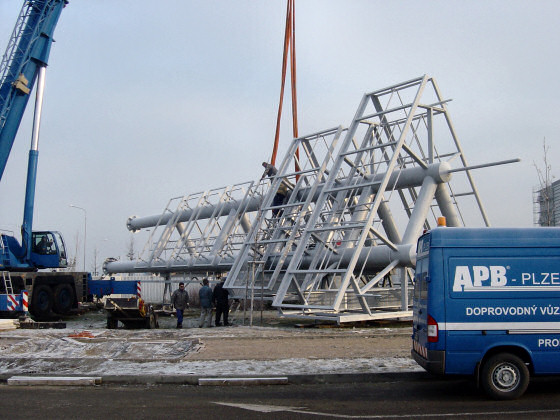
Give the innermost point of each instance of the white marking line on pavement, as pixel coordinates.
(265, 408)
(54, 380)
(299, 410)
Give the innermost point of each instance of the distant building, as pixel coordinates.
(546, 204)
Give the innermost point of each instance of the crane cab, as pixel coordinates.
(48, 250)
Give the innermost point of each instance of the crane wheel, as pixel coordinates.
(63, 298)
(42, 301)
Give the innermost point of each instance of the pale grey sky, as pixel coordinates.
(151, 100)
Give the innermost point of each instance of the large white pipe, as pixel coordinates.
(374, 258)
(205, 212)
(405, 178)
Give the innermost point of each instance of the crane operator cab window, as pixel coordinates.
(48, 250)
(44, 243)
(61, 249)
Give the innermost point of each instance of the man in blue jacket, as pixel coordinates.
(205, 295)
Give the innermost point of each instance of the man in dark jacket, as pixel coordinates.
(180, 300)
(205, 295)
(220, 298)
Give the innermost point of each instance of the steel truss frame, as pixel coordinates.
(341, 244)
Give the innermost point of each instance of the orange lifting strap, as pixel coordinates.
(289, 47)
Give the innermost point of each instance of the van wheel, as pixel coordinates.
(504, 377)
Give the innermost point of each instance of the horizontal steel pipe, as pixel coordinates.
(250, 204)
(405, 178)
(374, 258)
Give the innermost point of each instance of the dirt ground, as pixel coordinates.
(320, 347)
(271, 337)
(278, 346)
(280, 338)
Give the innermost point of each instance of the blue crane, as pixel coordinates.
(24, 284)
(24, 64)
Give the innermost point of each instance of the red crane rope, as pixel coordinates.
(289, 48)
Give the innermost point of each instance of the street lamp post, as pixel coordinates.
(85, 230)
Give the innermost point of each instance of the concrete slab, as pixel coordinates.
(55, 380)
(280, 380)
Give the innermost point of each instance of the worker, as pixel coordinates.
(180, 300)
(279, 199)
(205, 296)
(42, 247)
(220, 297)
(269, 170)
(280, 196)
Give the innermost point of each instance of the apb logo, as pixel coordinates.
(478, 277)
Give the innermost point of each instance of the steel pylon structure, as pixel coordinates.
(340, 245)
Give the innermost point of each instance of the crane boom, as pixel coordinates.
(23, 65)
(28, 50)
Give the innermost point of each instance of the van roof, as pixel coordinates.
(495, 237)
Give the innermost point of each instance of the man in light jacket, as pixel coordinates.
(180, 300)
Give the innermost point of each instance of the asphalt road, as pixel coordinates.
(422, 398)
